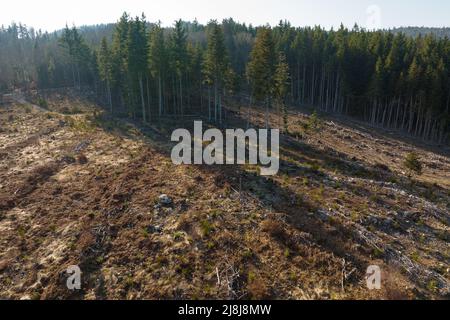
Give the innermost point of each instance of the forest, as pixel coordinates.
(90, 183)
(391, 79)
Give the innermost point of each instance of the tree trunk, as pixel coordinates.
(109, 97)
(304, 84)
(336, 97)
(216, 99)
(298, 84)
(73, 76)
(141, 86)
(249, 110)
(220, 109)
(160, 96)
(181, 97)
(313, 84)
(149, 100)
(209, 103)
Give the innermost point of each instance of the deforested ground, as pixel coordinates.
(80, 188)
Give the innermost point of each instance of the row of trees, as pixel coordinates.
(392, 81)
(146, 62)
(183, 73)
(30, 58)
(385, 78)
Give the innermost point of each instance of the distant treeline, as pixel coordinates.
(398, 79)
(423, 31)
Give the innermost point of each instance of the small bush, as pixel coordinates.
(42, 103)
(413, 164)
(178, 236)
(314, 123)
(433, 286)
(206, 227)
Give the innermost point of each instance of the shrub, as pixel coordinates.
(413, 164)
(42, 103)
(178, 236)
(206, 227)
(314, 123)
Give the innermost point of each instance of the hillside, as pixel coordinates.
(80, 188)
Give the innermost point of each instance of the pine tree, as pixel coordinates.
(216, 65)
(137, 59)
(119, 52)
(105, 69)
(261, 68)
(157, 61)
(78, 51)
(179, 58)
(282, 87)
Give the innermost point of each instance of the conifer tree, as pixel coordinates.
(179, 59)
(261, 68)
(137, 59)
(282, 87)
(79, 53)
(157, 61)
(119, 52)
(105, 69)
(216, 65)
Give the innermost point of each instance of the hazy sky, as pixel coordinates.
(50, 15)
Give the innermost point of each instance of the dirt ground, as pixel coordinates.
(80, 188)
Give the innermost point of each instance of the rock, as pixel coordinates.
(165, 200)
(81, 146)
(372, 220)
(43, 278)
(382, 167)
(183, 205)
(410, 216)
(154, 229)
(68, 159)
(82, 159)
(37, 286)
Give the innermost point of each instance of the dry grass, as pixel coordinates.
(221, 237)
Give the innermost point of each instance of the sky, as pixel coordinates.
(51, 15)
